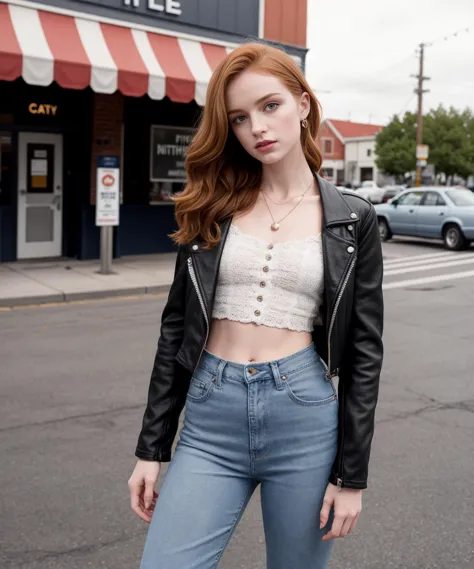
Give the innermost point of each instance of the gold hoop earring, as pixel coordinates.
(304, 123)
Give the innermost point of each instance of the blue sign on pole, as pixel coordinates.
(107, 162)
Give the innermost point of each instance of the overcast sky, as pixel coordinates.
(363, 52)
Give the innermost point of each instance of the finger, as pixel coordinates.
(346, 526)
(151, 506)
(149, 493)
(354, 523)
(324, 514)
(336, 528)
(135, 504)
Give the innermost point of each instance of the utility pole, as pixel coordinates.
(419, 122)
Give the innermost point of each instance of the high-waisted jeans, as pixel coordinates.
(273, 424)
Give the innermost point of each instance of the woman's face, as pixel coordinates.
(265, 116)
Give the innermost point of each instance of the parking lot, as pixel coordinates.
(72, 388)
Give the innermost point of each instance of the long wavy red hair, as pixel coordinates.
(222, 178)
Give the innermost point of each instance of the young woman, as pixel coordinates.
(277, 290)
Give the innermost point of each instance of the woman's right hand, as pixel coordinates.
(142, 488)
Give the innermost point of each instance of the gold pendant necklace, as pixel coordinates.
(275, 226)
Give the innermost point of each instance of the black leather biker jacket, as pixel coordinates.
(349, 339)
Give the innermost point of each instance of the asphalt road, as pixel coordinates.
(73, 381)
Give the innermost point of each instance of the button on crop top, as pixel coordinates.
(275, 284)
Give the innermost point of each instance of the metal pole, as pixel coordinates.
(106, 240)
(419, 121)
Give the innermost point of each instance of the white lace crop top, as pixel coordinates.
(276, 284)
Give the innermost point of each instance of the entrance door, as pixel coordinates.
(40, 181)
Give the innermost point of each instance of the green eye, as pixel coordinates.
(237, 120)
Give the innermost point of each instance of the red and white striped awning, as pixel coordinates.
(43, 47)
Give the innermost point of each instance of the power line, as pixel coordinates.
(412, 96)
(449, 36)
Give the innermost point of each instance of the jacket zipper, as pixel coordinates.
(331, 325)
(334, 314)
(192, 274)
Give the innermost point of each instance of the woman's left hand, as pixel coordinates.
(347, 505)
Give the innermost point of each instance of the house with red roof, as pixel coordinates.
(348, 150)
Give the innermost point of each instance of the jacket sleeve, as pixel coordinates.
(168, 388)
(359, 375)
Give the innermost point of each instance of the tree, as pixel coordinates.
(450, 136)
(448, 133)
(395, 146)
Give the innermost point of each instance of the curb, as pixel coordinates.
(89, 295)
(25, 300)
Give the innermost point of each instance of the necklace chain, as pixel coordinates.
(276, 224)
(291, 199)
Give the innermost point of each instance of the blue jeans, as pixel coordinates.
(273, 424)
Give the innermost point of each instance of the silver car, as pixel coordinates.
(432, 212)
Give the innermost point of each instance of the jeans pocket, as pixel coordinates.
(201, 386)
(309, 386)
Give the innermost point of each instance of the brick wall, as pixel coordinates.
(285, 21)
(106, 131)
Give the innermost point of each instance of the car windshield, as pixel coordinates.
(461, 197)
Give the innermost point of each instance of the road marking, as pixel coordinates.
(413, 269)
(422, 258)
(426, 280)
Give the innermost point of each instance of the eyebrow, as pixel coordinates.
(258, 101)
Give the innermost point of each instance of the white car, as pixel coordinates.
(370, 191)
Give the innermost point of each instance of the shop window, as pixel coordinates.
(366, 174)
(169, 145)
(151, 177)
(329, 172)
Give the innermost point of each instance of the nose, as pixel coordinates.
(258, 126)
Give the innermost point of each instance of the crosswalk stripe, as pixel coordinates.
(423, 262)
(421, 258)
(412, 269)
(426, 280)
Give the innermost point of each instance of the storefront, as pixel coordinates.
(122, 78)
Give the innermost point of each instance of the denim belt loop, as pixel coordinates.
(276, 375)
(219, 372)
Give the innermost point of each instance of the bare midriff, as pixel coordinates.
(247, 342)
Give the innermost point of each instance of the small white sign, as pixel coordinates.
(422, 151)
(39, 167)
(108, 197)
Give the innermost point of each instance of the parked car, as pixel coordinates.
(370, 191)
(390, 192)
(432, 212)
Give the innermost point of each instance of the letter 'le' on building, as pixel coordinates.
(118, 78)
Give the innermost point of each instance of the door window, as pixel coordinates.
(432, 198)
(40, 173)
(411, 198)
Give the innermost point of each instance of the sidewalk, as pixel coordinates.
(37, 282)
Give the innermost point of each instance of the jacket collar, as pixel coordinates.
(336, 209)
